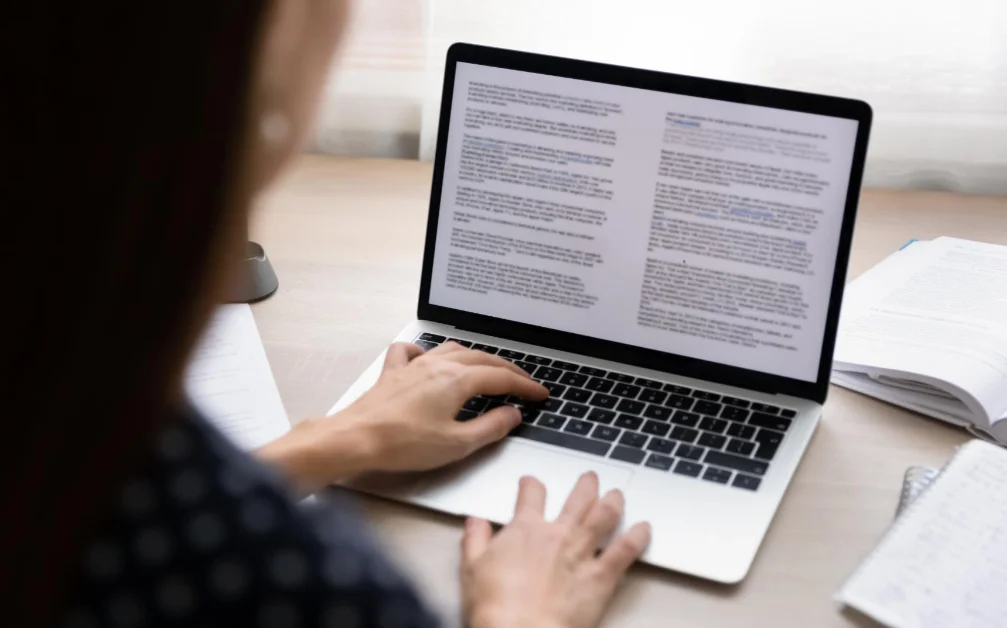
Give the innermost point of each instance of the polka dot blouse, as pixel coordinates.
(205, 536)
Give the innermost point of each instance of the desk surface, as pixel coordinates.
(346, 239)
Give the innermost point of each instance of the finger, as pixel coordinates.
(491, 380)
(581, 499)
(625, 550)
(475, 540)
(485, 359)
(530, 499)
(488, 428)
(602, 520)
(448, 347)
(400, 354)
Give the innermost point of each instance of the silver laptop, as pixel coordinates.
(667, 255)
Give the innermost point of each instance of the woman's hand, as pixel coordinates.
(548, 574)
(406, 422)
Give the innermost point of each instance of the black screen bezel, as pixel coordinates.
(669, 83)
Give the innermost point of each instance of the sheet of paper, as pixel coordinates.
(937, 310)
(230, 381)
(943, 564)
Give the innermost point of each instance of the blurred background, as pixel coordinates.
(935, 71)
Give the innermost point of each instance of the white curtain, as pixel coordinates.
(935, 71)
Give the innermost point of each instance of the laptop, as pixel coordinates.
(667, 255)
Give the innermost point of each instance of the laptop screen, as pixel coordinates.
(691, 226)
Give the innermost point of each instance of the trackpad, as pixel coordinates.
(486, 485)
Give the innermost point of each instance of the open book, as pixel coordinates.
(926, 329)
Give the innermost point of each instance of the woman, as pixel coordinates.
(142, 133)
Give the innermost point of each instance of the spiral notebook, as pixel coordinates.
(943, 563)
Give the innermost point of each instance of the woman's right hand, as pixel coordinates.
(548, 574)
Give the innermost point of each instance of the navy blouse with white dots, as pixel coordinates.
(206, 536)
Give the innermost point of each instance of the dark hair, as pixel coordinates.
(126, 122)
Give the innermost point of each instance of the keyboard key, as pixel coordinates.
(652, 396)
(740, 447)
(647, 383)
(734, 401)
(734, 414)
(510, 355)
(788, 414)
(604, 401)
(691, 469)
(484, 348)
(590, 370)
(425, 345)
(705, 395)
(738, 463)
(684, 434)
(678, 390)
(630, 407)
(713, 441)
(527, 366)
(679, 402)
(550, 405)
(713, 425)
(707, 407)
(741, 431)
(432, 338)
(528, 415)
(655, 428)
(547, 374)
(661, 446)
(599, 385)
(553, 421)
(464, 343)
(627, 454)
(659, 462)
(629, 422)
(619, 377)
(476, 404)
(562, 439)
(555, 390)
(514, 400)
(657, 412)
(605, 433)
(578, 427)
(628, 391)
(537, 359)
(466, 415)
(769, 421)
(746, 482)
(690, 452)
(632, 439)
(768, 441)
(577, 410)
(688, 419)
(768, 409)
(720, 476)
(598, 415)
(573, 379)
(578, 394)
(493, 404)
(566, 366)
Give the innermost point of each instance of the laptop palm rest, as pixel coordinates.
(486, 485)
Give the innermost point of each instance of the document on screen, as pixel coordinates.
(698, 227)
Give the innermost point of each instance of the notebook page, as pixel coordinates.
(229, 379)
(938, 311)
(943, 564)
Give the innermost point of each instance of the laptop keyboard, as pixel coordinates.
(659, 425)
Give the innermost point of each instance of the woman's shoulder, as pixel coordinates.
(206, 535)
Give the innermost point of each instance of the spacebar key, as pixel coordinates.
(562, 439)
(738, 463)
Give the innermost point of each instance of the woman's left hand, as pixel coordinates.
(406, 422)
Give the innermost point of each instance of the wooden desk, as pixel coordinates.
(346, 238)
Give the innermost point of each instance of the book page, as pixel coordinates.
(935, 311)
(229, 380)
(692, 226)
(943, 564)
